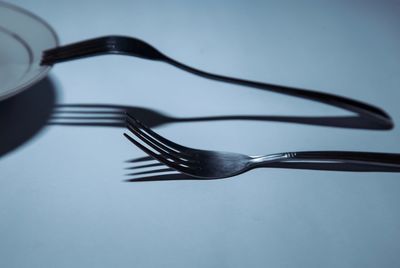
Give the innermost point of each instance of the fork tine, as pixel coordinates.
(159, 157)
(167, 142)
(72, 47)
(172, 155)
(134, 122)
(69, 55)
(76, 50)
(68, 50)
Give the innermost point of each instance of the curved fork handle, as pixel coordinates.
(335, 158)
(377, 118)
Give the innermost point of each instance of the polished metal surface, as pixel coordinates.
(218, 165)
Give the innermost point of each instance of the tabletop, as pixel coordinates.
(66, 199)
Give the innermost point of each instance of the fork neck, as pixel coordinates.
(259, 161)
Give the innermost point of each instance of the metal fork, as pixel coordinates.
(215, 165)
(377, 118)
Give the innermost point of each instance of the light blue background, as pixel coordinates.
(63, 202)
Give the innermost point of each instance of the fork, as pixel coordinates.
(134, 47)
(217, 165)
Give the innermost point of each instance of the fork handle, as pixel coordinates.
(373, 116)
(376, 117)
(336, 159)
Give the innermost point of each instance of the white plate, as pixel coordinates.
(23, 38)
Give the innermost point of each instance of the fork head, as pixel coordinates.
(100, 46)
(194, 162)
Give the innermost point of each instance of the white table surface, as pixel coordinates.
(63, 199)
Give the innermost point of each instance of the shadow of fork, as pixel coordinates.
(108, 115)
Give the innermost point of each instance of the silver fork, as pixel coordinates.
(216, 165)
(123, 45)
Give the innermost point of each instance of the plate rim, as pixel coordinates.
(18, 89)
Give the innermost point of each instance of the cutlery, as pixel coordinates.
(134, 47)
(216, 165)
